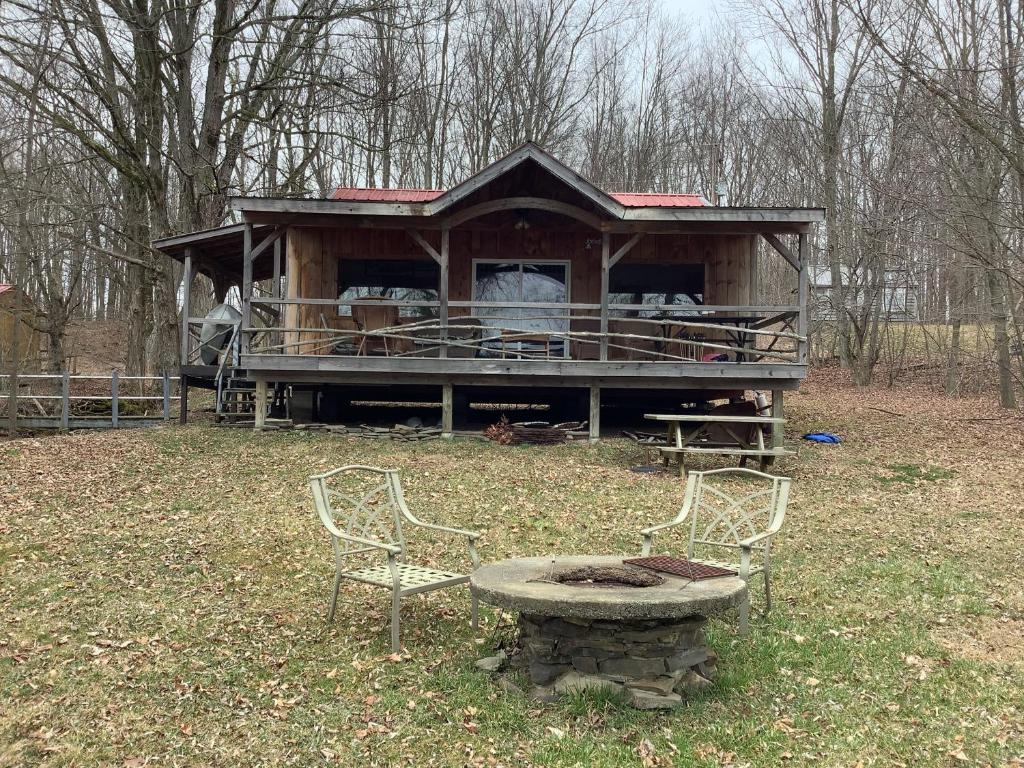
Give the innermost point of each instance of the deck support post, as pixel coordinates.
(186, 305)
(606, 248)
(442, 295)
(778, 413)
(595, 413)
(261, 404)
(802, 298)
(245, 289)
(447, 411)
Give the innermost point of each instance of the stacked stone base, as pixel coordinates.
(654, 662)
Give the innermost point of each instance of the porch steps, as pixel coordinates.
(237, 400)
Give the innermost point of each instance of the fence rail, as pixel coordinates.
(57, 388)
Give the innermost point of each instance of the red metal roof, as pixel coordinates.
(657, 200)
(628, 199)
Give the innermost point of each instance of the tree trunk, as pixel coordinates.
(1000, 323)
(164, 341)
(956, 300)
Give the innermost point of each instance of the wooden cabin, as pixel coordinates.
(525, 282)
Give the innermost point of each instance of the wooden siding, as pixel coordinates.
(313, 254)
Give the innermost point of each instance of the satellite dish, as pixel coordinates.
(216, 331)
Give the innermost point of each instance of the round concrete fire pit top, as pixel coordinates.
(526, 585)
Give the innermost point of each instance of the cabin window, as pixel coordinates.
(539, 282)
(396, 279)
(676, 285)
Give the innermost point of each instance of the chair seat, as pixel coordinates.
(412, 578)
(754, 569)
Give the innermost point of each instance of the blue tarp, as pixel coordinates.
(823, 437)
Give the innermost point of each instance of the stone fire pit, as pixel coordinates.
(593, 622)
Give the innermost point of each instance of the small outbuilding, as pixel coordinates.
(19, 315)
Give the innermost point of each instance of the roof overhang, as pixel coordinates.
(290, 207)
(218, 250)
(607, 213)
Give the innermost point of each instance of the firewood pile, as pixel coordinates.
(532, 432)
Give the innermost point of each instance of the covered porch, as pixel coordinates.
(523, 276)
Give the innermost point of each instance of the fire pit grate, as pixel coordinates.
(679, 567)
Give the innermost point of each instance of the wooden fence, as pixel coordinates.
(54, 403)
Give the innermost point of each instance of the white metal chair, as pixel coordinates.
(741, 514)
(364, 508)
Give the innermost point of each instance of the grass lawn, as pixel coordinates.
(162, 596)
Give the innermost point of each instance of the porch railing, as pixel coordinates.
(529, 331)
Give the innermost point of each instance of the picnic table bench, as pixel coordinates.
(732, 435)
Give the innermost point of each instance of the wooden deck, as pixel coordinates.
(525, 373)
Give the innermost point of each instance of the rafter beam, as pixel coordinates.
(266, 242)
(624, 249)
(422, 243)
(783, 249)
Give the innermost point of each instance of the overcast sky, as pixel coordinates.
(701, 9)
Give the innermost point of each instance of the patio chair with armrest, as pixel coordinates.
(622, 345)
(369, 317)
(586, 346)
(742, 521)
(364, 510)
(465, 333)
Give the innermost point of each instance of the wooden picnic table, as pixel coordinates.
(745, 436)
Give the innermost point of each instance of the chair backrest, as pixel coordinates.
(727, 506)
(360, 501)
(465, 333)
(370, 316)
(586, 347)
(633, 349)
(465, 327)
